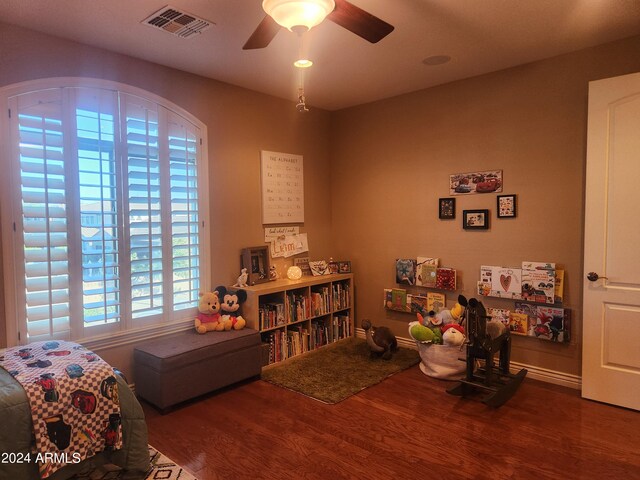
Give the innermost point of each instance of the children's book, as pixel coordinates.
(426, 271)
(518, 323)
(446, 278)
(435, 301)
(418, 304)
(484, 289)
(387, 301)
(549, 324)
(506, 283)
(538, 282)
(406, 271)
(399, 299)
(531, 311)
(559, 289)
(499, 314)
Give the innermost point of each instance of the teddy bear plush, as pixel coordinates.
(230, 307)
(209, 318)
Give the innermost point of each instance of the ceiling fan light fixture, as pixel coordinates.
(298, 13)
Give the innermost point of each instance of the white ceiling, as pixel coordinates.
(480, 35)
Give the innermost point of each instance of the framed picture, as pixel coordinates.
(256, 261)
(319, 267)
(489, 181)
(475, 219)
(344, 267)
(333, 267)
(446, 208)
(506, 206)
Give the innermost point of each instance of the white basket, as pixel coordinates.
(446, 362)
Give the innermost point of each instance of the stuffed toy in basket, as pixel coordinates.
(446, 361)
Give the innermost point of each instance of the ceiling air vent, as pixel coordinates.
(177, 22)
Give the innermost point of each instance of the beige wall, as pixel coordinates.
(240, 123)
(391, 162)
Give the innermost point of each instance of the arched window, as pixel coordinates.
(103, 208)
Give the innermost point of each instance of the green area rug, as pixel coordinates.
(334, 373)
(160, 468)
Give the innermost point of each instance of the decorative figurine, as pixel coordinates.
(242, 279)
(273, 273)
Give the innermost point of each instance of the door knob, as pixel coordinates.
(593, 276)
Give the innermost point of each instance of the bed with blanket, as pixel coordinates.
(17, 438)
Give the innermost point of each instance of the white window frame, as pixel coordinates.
(128, 330)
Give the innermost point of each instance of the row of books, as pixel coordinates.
(271, 315)
(320, 302)
(283, 344)
(301, 307)
(545, 323)
(539, 282)
(399, 300)
(298, 307)
(341, 296)
(425, 272)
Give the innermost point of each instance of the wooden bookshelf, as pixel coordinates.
(297, 316)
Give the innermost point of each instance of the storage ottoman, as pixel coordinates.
(183, 366)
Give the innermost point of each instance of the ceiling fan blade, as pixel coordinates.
(358, 21)
(263, 34)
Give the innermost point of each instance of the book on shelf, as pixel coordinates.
(435, 301)
(502, 282)
(500, 314)
(545, 322)
(298, 307)
(417, 304)
(341, 296)
(319, 334)
(446, 278)
(271, 315)
(518, 323)
(558, 293)
(426, 271)
(399, 299)
(538, 282)
(550, 324)
(320, 302)
(406, 271)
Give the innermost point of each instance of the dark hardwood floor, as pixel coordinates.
(406, 427)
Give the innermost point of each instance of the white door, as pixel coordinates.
(611, 313)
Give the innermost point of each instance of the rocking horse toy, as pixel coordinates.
(485, 339)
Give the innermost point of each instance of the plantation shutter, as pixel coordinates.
(107, 235)
(44, 231)
(143, 214)
(98, 194)
(183, 162)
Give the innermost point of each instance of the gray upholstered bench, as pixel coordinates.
(183, 366)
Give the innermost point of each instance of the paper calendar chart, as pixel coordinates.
(282, 188)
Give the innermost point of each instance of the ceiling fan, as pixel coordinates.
(301, 15)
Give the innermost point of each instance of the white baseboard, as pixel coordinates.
(537, 373)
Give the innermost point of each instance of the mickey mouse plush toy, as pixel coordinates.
(230, 307)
